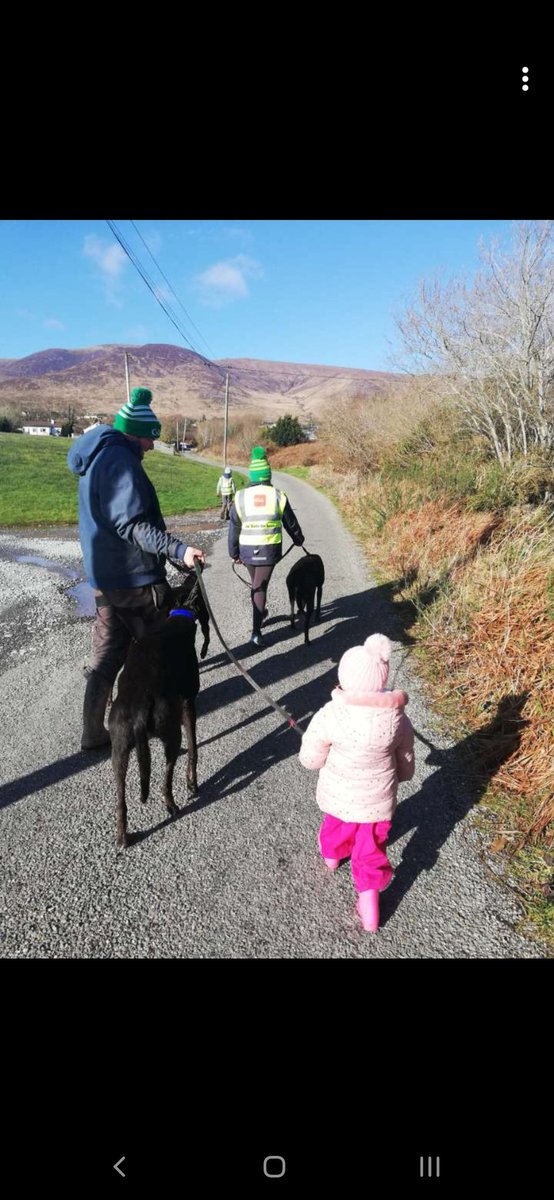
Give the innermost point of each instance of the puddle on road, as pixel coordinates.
(202, 526)
(81, 593)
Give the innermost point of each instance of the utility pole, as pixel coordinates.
(127, 376)
(177, 446)
(226, 419)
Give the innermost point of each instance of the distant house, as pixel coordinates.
(50, 430)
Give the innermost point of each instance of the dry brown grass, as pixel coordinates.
(307, 454)
(431, 542)
(489, 632)
(495, 631)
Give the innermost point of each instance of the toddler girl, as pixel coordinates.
(363, 744)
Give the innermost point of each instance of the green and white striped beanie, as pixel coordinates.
(136, 416)
(260, 470)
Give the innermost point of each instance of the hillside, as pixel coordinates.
(93, 379)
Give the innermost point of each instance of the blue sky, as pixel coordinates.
(321, 292)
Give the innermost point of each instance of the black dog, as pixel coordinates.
(156, 691)
(302, 580)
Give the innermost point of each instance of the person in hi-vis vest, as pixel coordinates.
(256, 533)
(226, 489)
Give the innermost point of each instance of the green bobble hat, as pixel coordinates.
(136, 416)
(260, 470)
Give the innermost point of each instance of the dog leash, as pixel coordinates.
(278, 707)
(248, 583)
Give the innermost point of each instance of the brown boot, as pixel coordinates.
(95, 735)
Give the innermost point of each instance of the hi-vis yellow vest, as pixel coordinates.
(260, 510)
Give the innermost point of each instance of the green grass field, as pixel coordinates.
(37, 487)
(298, 472)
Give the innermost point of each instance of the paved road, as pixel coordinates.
(237, 873)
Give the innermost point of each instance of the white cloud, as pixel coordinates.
(53, 323)
(226, 280)
(110, 261)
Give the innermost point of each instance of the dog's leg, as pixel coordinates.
(318, 609)
(120, 763)
(189, 725)
(205, 627)
(307, 615)
(172, 745)
(144, 761)
(291, 597)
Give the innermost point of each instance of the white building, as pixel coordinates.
(43, 430)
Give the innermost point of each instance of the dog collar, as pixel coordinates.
(182, 612)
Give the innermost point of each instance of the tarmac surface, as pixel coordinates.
(237, 873)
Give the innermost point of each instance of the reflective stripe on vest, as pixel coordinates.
(227, 487)
(260, 510)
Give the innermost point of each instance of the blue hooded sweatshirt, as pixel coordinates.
(122, 531)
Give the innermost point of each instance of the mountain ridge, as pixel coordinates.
(93, 378)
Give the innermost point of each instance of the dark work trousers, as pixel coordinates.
(122, 615)
(259, 578)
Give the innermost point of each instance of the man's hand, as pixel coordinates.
(190, 554)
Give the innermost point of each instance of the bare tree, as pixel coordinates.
(248, 432)
(492, 343)
(210, 433)
(348, 424)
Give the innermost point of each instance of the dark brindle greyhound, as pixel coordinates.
(307, 575)
(156, 691)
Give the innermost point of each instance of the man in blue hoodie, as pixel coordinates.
(125, 545)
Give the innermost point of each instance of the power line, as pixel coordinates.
(131, 254)
(189, 318)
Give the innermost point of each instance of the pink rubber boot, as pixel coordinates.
(367, 908)
(332, 863)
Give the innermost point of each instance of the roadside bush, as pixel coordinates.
(532, 478)
(287, 431)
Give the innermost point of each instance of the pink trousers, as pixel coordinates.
(365, 844)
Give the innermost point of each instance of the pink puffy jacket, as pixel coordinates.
(363, 749)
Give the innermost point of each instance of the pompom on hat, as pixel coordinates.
(260, 470)
(364, 669)
(136, 416)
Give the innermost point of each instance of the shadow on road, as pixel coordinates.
(449, 793)
(353, 619)
(47, 776)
